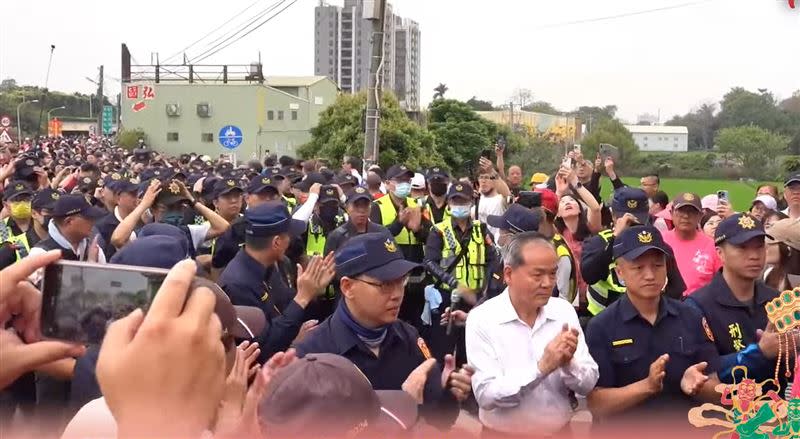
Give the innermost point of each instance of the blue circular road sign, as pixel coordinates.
(230, 137)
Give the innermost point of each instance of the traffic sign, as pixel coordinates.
(5, 121)
(230, 137)
(108, 118)
(4, 137)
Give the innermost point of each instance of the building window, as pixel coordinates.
(294, 114)
(270, 115)
(645, 138)
(676, 139)
(280, 114)
(172, 137)
(207, 137)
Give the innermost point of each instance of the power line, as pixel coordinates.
(166, 61)
(623, 15)
(253, 19)
(248, 32)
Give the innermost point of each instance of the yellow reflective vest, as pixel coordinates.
(389, 214)
(605, 292)
(20, 242)
(562, 250)
(471, 267)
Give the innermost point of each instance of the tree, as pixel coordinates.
(522, 97)
(459, 132)
(702, 124)
(8, 84)
(340, 132)
(741, 107)
(440, 90)
(592, 116)
(541, 107)
(753, 146)
(610, 131)
(479, 105)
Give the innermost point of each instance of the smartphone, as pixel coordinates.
(723, 196)
(577, 148)
(529, 199)
(568, 162)
(608, 150)
(501, 142)
(80, 299)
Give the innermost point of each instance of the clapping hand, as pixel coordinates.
(560, 350)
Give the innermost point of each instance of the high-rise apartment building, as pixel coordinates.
(342, 50)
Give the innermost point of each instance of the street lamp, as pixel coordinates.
(19, 124)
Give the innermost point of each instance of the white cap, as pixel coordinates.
(710, 202)
(767, 200)
(418, 181)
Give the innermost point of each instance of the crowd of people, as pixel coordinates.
(308, 299)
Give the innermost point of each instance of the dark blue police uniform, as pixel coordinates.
(401, 349)
(624, 344)
(248, 282)
(733, 323)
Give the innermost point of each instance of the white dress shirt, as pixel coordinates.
(513, 395)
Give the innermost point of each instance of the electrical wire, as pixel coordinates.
(624, 15)
(229, 40)
(166, 61)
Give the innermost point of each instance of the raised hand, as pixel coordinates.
(694, 378)
(458, 381)
(658, 370)
(414, 385)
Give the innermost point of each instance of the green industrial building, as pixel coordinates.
(189, 108)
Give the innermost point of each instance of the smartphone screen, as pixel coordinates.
(529, 199)
(723, 196)
(80, 299)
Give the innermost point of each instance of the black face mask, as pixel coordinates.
(438, 189)
(47, 219)
(328, 213)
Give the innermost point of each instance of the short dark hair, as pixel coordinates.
(89, 167)
(661, 198)
(258, 242)
(653, 174)
(270, 160)
(285, 160)
(512, 253)
(355, 162)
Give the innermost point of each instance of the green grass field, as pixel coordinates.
(741, 193)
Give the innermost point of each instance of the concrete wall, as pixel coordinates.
(662, 142)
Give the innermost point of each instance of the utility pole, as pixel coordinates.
(376, 17)
(511, 115)
(100, 103)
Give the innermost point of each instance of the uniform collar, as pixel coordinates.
(724, 296)
(629, 312)
(345, 339)
(253, 269)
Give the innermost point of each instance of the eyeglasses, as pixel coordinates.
(387, 287)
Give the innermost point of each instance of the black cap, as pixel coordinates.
(327, 194)
(346, 179)
(226, 186)
(358, 193)
(373, 254)
(794, 178)
(151, 251)
(631, 200)
(170, 194)
(637, 240)
(517, 219)
(45, 199)
(111, 180)
(68, 205)
(398, 171)
(270, 219)
(313, 177)
(163, 229)
(260, 183)
(208, 186)
(16, 189)
(738, 229)
(436, 173)
(462, 191)
(89, 183)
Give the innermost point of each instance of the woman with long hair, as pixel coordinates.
(783, 254)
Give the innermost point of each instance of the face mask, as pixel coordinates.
(460, 212)
(402, 190)
(438, 189)
(175, 218)
(328, 213)
(21, 209)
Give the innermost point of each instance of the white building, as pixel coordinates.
(660, 138)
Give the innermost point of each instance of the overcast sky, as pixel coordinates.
(672, 60)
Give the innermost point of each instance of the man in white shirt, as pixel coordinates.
(791, 193)
(494, 194)
(527, 347)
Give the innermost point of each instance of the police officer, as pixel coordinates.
(14, 228)
(630, 207)
(168, 203)
(41, 209)
(516, 219)
(436, 208)
(651, 350)
(122, 194)
(733, 304)
(249, 278)
(365, 328)
(227, 200)
(260, 190)
(399, 213)
(358, 207)
(70, 229)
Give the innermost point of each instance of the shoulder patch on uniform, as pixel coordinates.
(265, 296)
(623, 342)
(496, 276)
(424, 348)
(706, 328)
